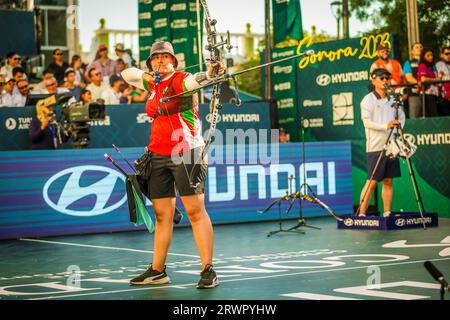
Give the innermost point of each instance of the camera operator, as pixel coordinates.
(45, 132)
(378, 116)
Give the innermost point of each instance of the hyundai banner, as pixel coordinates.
(44, 193)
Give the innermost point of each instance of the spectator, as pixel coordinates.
(427, 72)
(51, 87)
(85, 96)
(133, 61)
(106, 66)
(18, 74)
(69, 83)
(120, 66)
(391, 65)
(112, 95)
(40, 87)
(76, 64)
(96, 87)
(20, 99)
(12, 61)
(443, 68)
(410, 69)
(8, 93)
(122, 54)
(2, 87)
(58, 66)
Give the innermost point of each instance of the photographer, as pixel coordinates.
(379, 117)
(45, 133)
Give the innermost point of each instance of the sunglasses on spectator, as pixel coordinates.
(59, 54)
(23, 87)
(385, 78)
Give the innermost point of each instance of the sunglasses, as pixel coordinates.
(59, 54)
(24, 87)
(385, 78)
(447, 54)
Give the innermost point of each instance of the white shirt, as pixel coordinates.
(444, 68)
(376, 113)
(6, 99)
(111, 97)
(19, 100)
(97, 91)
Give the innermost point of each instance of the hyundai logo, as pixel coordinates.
(209, 116)
(323, 80)
(400, 222)
(74, 197)
(348, 222)
(410, 138)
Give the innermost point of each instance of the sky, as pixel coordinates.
(231, 15)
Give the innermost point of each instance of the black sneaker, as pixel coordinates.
(151, 277)
(208, 278)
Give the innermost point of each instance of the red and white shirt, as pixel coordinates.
(178, 132)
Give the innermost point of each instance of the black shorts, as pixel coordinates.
(388, 168)
(169, 174)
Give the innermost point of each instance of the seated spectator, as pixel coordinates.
(133, 61)
(8, 93)
(85, 96)
(44, 132)
(12, 61)
(69, 84)
(443, 68)
(18, 74)
(51, 87)
(2, 88)
(126, 94)
(392, 65)
(120, 66)
(112, 95)
(76, 64)
(40, 87)
(105, 65)
(427, 72)
(410, 69)
(20, 99)
(123, 55)
(58, 66)
(97, 86)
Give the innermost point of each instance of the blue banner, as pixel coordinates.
(128, 125)
(62, 192)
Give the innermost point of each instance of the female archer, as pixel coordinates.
(176, 157)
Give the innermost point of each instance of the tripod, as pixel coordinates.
(287, 197)
(406, 149)
(305, 186)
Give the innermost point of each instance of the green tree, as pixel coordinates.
(390, 16)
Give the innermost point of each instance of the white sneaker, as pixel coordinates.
(387, 214)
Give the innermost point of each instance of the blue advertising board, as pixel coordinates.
(61, 192)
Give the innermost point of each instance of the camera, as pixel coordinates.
(76, 117)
